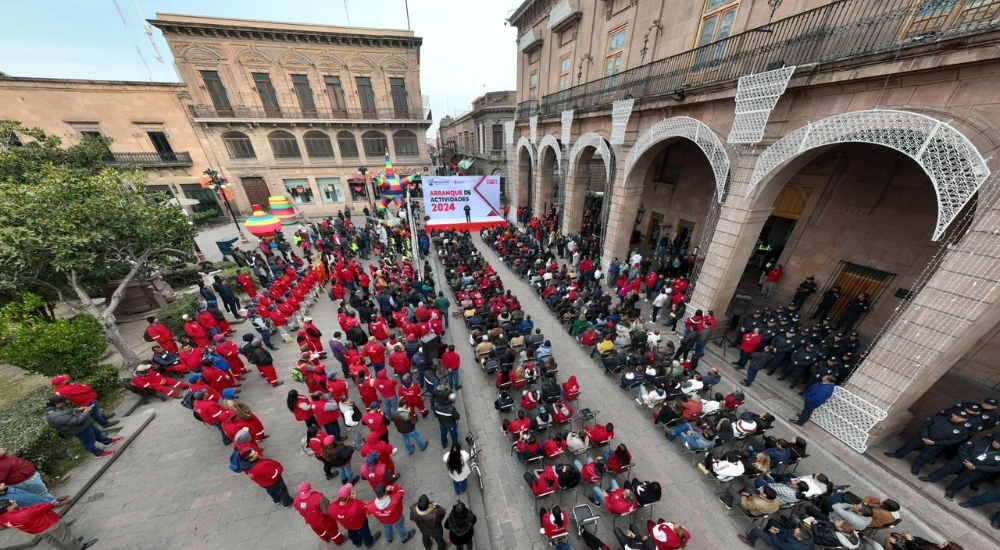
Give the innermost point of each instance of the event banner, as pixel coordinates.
(445, 199)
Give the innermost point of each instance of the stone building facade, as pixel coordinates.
(297, 109)
(147, 122)
(854, 139)
(478, 136)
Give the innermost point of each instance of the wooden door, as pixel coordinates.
(257, 191)
(854, 279)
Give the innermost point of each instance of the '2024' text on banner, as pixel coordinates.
(445, 198)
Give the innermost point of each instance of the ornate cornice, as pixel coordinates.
(238, 32)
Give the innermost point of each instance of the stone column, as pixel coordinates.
(621, 221)
(575, 192)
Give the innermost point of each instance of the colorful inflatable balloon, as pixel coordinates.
(392, 187)
(282, 208)
(261, 224)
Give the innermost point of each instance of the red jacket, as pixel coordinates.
(374, 474)
(211, 412)
(375, 421)
(553, 449)
(548, 481)
(400, 362)
(598, 434)
(774, 275)
(616, 503)
(191, 358)
(210, 393)
(323, 416)
(590, 474)
(34, 519)
(375, 352)
(379, 330)
(310, 507)
(206, 320)
(337, 388)
(450, 360)
(614, 465)
(161, 334)
(750, 342)
(196, 332)
(411, 395)
(350, 514)
(391, 513)
(551, 529)
(664, 536)
(80, 394)
(518, 425)
(265, 472)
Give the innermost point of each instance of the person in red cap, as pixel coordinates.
(41, 519)
(160, 334)
(312, 506)
(266, 473)
(352, 515)
(387, 509)
(195, 331)
(82, 395)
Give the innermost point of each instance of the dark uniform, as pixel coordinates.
(784, 344)
(855, 310)
(798, 369)
(803, 291)
(826, 303)
(975, 460)
(941, 431)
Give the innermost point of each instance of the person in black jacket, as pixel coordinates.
(444, 410)
(264, 362)
(646, 492)
(826, 303)
(935, 434)
(67, 420)
(975, 460)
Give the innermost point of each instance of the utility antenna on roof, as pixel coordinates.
(148, 29)
(131, 36)
(348, 14)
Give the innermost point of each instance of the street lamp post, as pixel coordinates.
(363, 170)
(211, 180)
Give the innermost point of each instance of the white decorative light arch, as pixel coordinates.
(524, 143)
(590, 139)
(953, 164)
(688, 128)
(550, 141)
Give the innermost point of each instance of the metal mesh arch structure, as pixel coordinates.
(953, 164)
(590, 139)
(550, 141)
(524, 143)
(689, 128)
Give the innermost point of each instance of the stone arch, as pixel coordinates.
(393, 63)
(591, 139)
(524, 173)
(251, 56)
(551, 141)
(952, 163)
(327, 61)
(360, 63)
(692, 129)
(295, 59)
(523, 142)
(200, 53)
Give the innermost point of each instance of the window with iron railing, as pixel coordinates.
(217, 92)
(348, 145)
(366, 95)
(335, 92)
(268, 97)
(303, 91)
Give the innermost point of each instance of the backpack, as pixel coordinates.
(234, 462)
(188, 400)
(298, 376)
(146, 336)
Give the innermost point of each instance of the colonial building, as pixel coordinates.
(147, 122)
(476, 137)
(854, 141)
(299, 108)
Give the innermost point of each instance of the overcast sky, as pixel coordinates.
(467, 49)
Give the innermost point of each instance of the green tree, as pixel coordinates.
(69, 224)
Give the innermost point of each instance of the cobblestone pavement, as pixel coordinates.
(172, 488)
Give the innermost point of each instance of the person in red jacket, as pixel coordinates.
(196, 383)
(41, 519)
(352, 515)
(386, 388)
(300, 407)
(616, 500)
(376, 472)
(619, 459)
(195, 331)
(145, 377)
(191, 356)
(312, 506)
(400, 362)
(327, 414)
(228, 350)
(600, 434)
(211, 413)
(667, 535)
(161, 334)
(208, 322)
(770, 281)
(543, 484)
(82, 395)
(451, 362)
(247, 284)
(571, 388)
(379, 329)
(554, 523)
(313, 336)
(375, 352)
(376, 421)
(751, 341)
(412, 396)
(266, 473)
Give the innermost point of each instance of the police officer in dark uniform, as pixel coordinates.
(828, 365)
(936, 433)
(756, 320)
(784, 344)
(834, 344)
(827, 301)
(853, 343)
(769, 331)
(798, 369)
(855, 310)
(975, 460)
(803, 291)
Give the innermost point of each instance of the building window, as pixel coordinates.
(162, 146)
(405, 144)
(336, 94)
(366, 95)
(303, 91)
(268, 98)
(217, 91)
(375, 144)
(284, 145)
(716, 24)
(533, 85)
(318, 145)
(565, 72)
(300, 191)
(497, 137)
(348, 145)
(238, 145)
(616, 51)
(330, 190)
(397, 89)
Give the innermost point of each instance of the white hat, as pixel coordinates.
(185, 316)
(143, 367)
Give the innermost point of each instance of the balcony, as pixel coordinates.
(149, 160)
(244, 112)
(528, 109)
(840, 30)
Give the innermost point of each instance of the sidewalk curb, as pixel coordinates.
(90, 482)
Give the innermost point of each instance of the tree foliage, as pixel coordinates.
(69, 224)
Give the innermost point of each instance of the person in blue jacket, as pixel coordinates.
(814, 397)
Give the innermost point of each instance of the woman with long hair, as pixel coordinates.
(457, 461)
(299, 406)
(460, 524)
(668, 535)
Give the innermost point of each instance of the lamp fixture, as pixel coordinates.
(645, 39)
